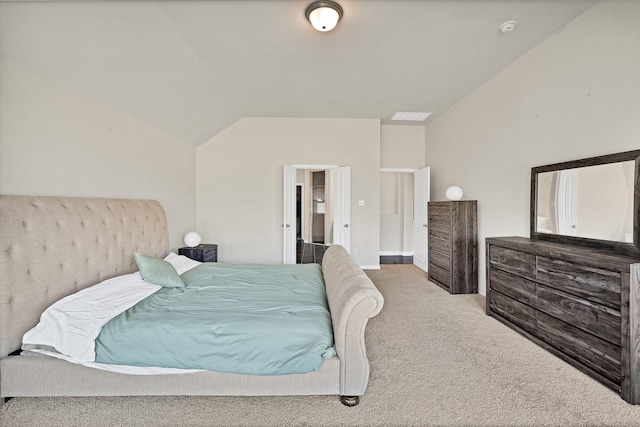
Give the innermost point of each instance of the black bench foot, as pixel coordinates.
(350, 400)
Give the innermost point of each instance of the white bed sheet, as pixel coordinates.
(67, 330)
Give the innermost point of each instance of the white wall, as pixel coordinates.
(402, 147)
(575, 95)
(239, 175)
(57, 142)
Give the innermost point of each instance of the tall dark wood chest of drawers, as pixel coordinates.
(453, 245)
(581, 304)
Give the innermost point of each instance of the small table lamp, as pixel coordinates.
(454, 193)
(192, 239)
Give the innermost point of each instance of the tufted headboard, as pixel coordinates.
(51, 247)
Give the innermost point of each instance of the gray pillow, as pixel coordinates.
(158, 272)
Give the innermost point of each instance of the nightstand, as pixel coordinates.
(202, 253)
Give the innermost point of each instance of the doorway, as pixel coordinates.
(317, 199)
(403, 237)
(396, 217)
(318, 206)
(316, 222)
(310, 216)
(299, 210)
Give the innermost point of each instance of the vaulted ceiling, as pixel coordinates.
(192, 68)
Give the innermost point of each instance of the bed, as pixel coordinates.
(52, 247)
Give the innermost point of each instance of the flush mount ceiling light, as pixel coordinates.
(324, 15)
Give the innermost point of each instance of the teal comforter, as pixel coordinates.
(246, 319)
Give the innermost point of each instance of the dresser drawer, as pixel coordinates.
(596, 319)
(596, 285)
(516, 262)
(440, 275)
(515, 312)
(591, 351)
(516, 287)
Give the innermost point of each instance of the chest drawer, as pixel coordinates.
(440, 218)
(440, 260)
(594, 284)
(516, 262)
(439, 241)
(439, 250)
(440, 275)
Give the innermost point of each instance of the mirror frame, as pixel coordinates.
(620, 247)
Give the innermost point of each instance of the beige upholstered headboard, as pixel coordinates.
(51, 247)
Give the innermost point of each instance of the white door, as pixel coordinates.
(421, 190)
(341, 186)
(567, 202)
(289, 215)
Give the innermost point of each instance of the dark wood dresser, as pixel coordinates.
(581, 304)
(453, 245)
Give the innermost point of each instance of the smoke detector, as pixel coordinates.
(508, 26)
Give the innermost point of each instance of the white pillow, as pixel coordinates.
(181, 263)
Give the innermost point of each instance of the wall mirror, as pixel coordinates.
(592, 202)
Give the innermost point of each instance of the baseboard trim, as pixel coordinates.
(370, 267)
(396, 259)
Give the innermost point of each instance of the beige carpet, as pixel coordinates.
(436, 359)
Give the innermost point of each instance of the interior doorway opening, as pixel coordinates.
(318, 206)
(315, 197)
(396, 217)
(396, 238)
(315, 215)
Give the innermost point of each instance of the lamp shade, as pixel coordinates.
(454, 193)
(192, 239)
(324, 15)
